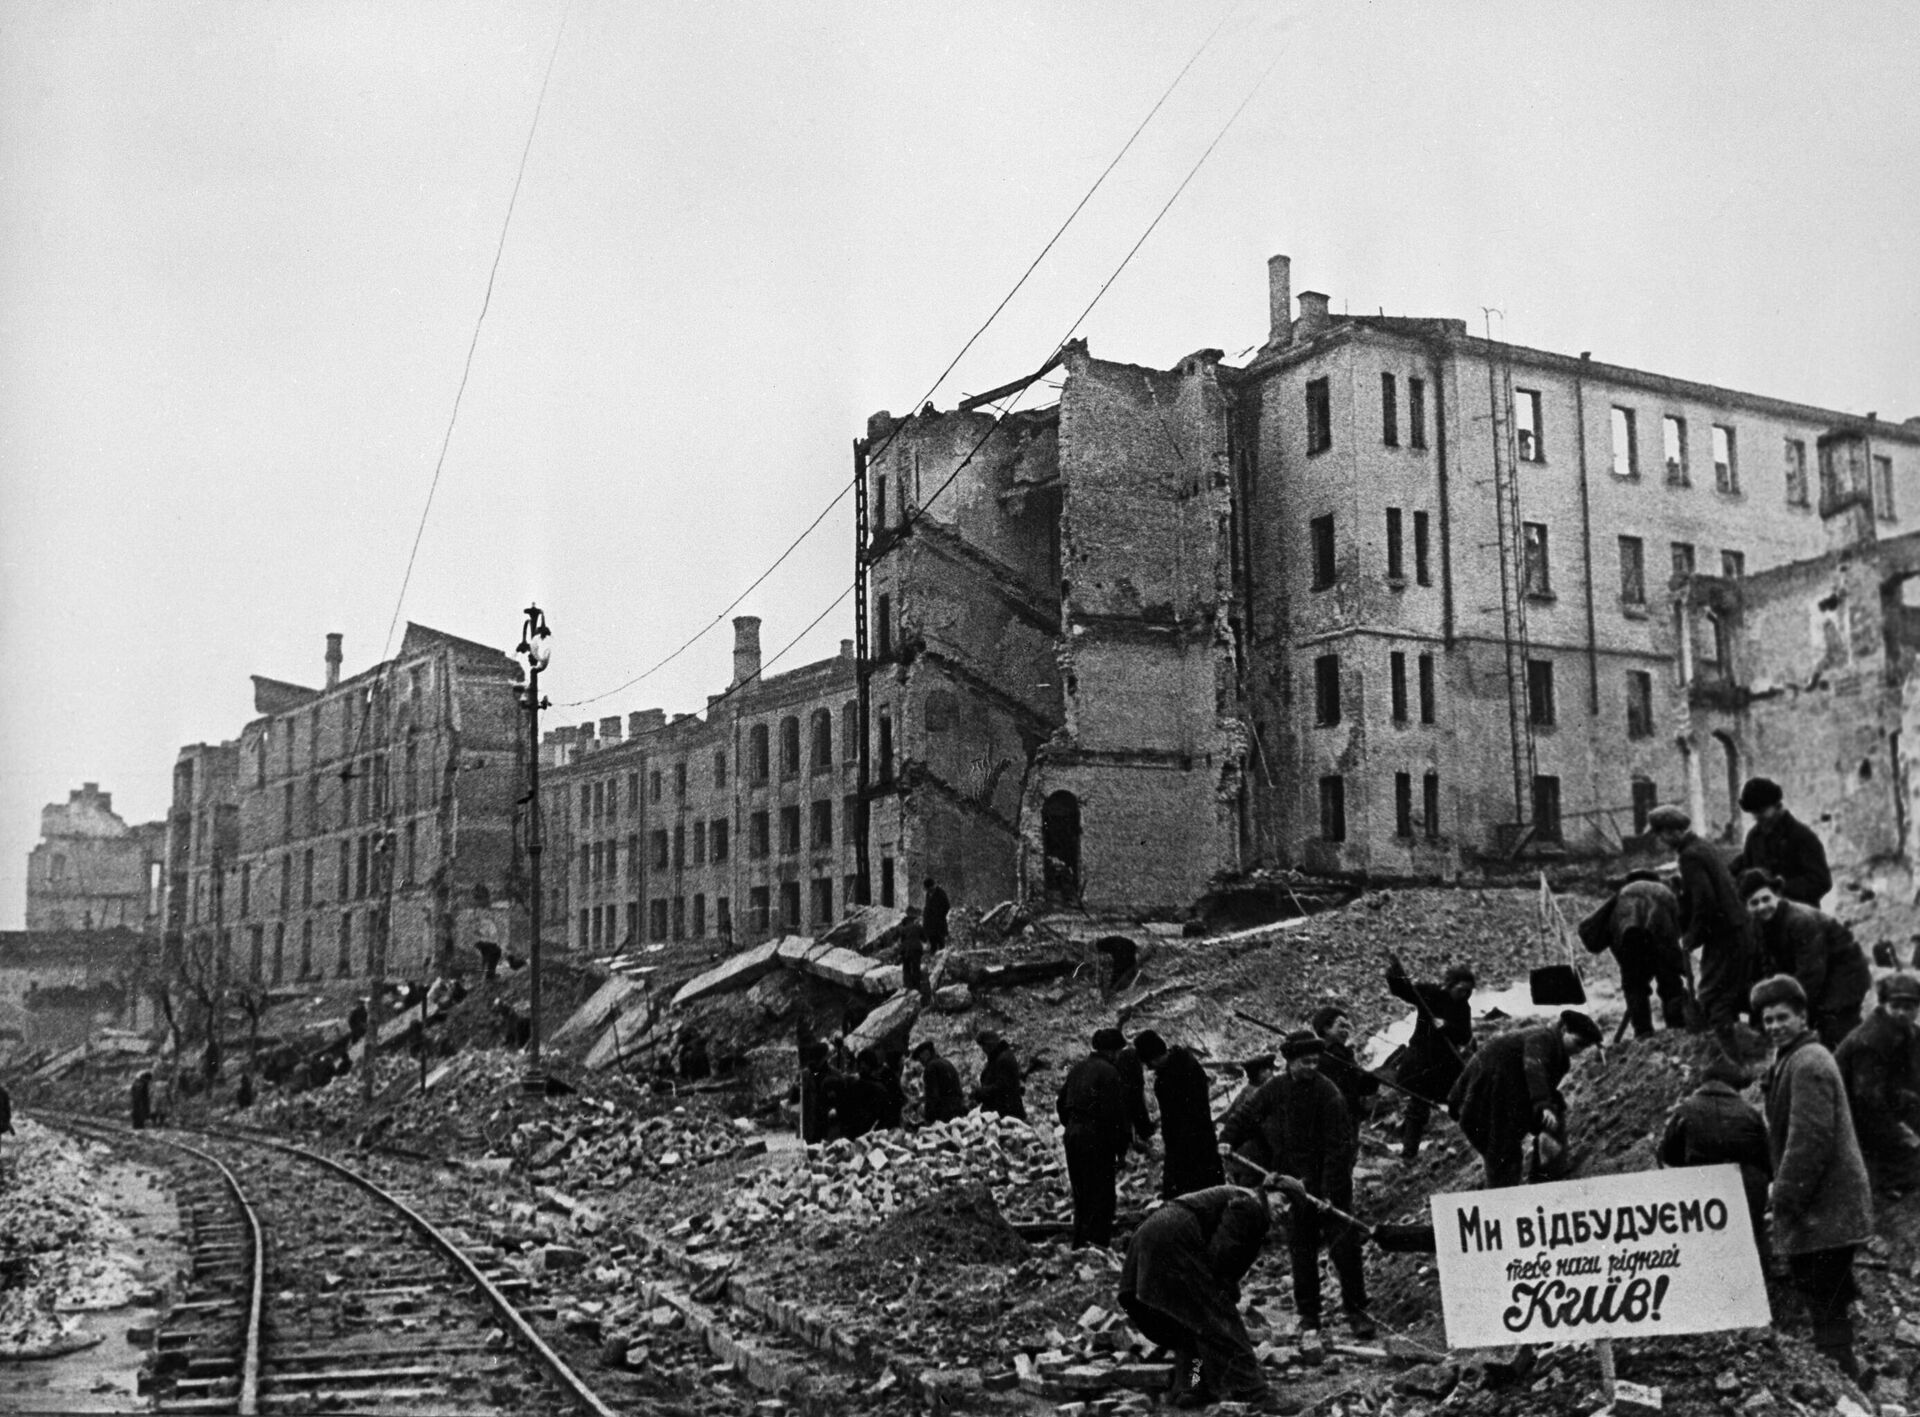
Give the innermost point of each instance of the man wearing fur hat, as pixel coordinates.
(1093, 1116)
(1814, 948)
(1297, 1125)
(1712, 920)
(1511, 1090)
(1186, 1115)
(1880, 1064)
(1822, 1199)
(1781, 843)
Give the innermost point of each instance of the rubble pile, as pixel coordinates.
(600, 1146)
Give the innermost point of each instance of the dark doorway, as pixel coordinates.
(1060, 843)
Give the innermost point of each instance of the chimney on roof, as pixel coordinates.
(846, 649)
(746, 649)
(333, 661)
(645, 721)
(1313, 314)
(610, 727)
(1279, 303)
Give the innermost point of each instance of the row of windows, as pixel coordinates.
(1326, 688)
(1407, 825)
(710, 841)
(1633, 565)
(1326, 567)
(362, 795)
(355, 877)
(683, 917)
(371, 701)
(262, 967)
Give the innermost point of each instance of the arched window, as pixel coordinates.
(822, 758)
(757, 751)
(789, 747)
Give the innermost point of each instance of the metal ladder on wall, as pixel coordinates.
(1513, 590)
(862, 531)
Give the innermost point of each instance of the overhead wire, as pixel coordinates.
(939, 379)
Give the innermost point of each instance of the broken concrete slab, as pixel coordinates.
(883, 979)
(734, 972)
(620, 1040)
(890, 1021)
(835, 965)
(953, 998)
(593, 1014)
(867, 927)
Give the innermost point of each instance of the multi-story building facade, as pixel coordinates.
(91, 871)
(1390, 598)
(733, 825)
(367, 824)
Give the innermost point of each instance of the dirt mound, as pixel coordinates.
(962, 1225)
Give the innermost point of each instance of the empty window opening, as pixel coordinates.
(1396, 560)
(1673, 446)
(1417, 412)
(1324, 571)
(1646, 796)
(1333, 808)
(1726, 471)
(1540, 706)
(1422, 566)
(1639, 704)
(1403, 804)
(1536, 577)
(1397, 678)
(1546, 809)
(1733, 564)
(1883, 488)
(1426, 689)
(1633, 571)
(1319, 416)
(1626, 445)
(1326, 690)
(1796, 464)
(1430, 804)
(1389, 411)
(1529, 432)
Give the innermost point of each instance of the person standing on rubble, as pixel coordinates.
(934, 910)
(1180, 1287)
(913, 951)
(1296, 1126)
(1781, 843)
(1879, 1063)
(1358, 1087)
(1442, 1038)
(140, 1098)
(1713, 921)
(1002, 1085)
(1255, 1071)
(1511, 1090)
(1822, 1198)
(1640, 924)
(1192, 1161)
(1093, 1115)
(1814, 948)
(941, 1097)
(1714, 1125)
(1133, 1073)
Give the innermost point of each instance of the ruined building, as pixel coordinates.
(368, 824)
(91, 871)
(1389, 598)
(729, 826)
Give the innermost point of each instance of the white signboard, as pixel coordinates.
(1647, 1253)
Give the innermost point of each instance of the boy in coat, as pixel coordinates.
(1714, 1125)
(1880, 1064)
(1713, 920)
(1783, 844)
(1511, 1090)
(1814, 948)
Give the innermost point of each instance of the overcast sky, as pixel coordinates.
(243, 248)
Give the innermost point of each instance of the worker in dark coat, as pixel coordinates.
(1254, 1071)
(880, 1094)
(1814, 948)
(1879, 1063)
(1358, 1087)
(1640, 924)
(942, 1098)
(1297, 1126)
(820, 1088)
(1712, 921)
(1822, 1199)
(1133, 1073)
(1181, 1088)
(1180, 1287)
(141, 1099)
(357, 1021)
(913, 951)
(1511, 1090)
(933, 913)
(1783, 844)
(1002, 1085)
(1442, 1038)
(1093, 1115)
(243, 1092)
(1714, 1125)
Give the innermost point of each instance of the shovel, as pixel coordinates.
(1555, 985)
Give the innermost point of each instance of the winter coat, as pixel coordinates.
(1640, 916)
(1340, 1067)
(1879, 1064)
(1180, 1282)
(1822, 1199)
(1714, 920)
(1001, 1086)
(1093, 1099)
(942, 1096)
(934, 914)
(1821, 953)
(1186, 1123)
(1791, 850)
(1442, 1034)
(1510, 1081)
(1298, 1126)
(1133, 1073)
(1715, 1125)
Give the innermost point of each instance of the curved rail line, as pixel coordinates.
(248, 1404)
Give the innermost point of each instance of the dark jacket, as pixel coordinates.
(1821, 953)
(1791, 850)
(1638, 907)
(1442, 1033)
(1343, 1070)
(1186, 1123)
(934, 912)
(1133, 1073)
(1180, 1282)
(1714, 920)
(1715, 1125)
(1509, 1082)
(1298, 1126)
(1001, 1086)
(1821, 1196)
(942, 1096)
(1093, 1099)
(1879, 1065)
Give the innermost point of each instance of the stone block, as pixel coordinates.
(553, 1257)
(953, 998)
(894, 1017)
(735, 972)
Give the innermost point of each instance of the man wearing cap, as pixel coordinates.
(1880, 1064)
(1186, 1116)
(1180, 1287)
(1640, 924)
(1093, 1116)
(941, 1097)
(1822, 1198)
(1358, 1087)
(1814, 948)
(1442, 1038)
(1511, 1090)
(1002, 1085)
(1781, 843)
(1712, 920)
(1296, 1125)
(1715, 1124)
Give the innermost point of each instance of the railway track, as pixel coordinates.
(315, 1289)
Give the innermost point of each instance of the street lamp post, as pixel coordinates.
(536, 646)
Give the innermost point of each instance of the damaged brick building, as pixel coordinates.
(1390, 599)
(91, 871)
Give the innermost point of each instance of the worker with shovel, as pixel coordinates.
(1511, 1090)
(1442, 1038)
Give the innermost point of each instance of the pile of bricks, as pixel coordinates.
(602, 1148)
